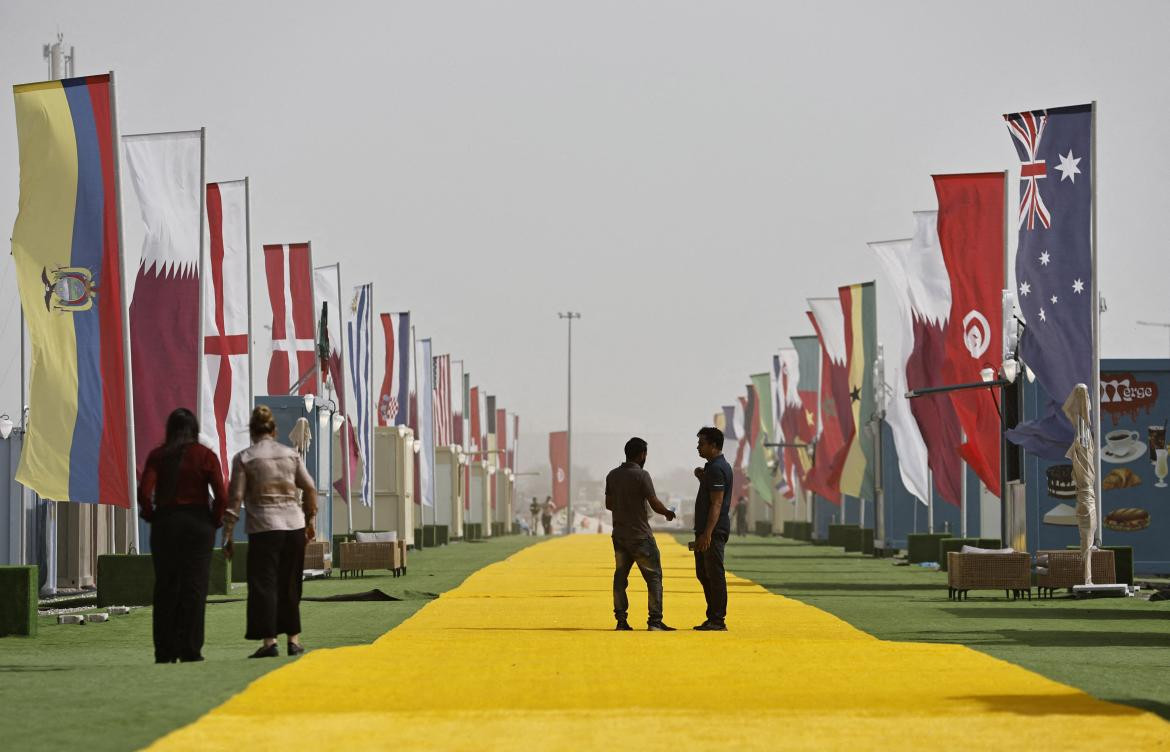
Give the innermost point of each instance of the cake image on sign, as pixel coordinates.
(1122, 445)
(1121, 477)
(1127, 520)
(1060, 482)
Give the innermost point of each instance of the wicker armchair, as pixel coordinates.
(1065, 570)
(355, 558)
(1011, 573)
(318, 556)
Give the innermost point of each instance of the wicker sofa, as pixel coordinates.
(1009, 572)
(1064, 570)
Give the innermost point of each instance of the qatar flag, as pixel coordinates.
(828, 319)
(971, 221)
(167, 172)
(227, 356)
(293, 366)
(558, 457)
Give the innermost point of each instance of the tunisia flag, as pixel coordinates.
(558, 457)
(971, 216)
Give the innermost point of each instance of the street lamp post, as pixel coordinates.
(569, 316)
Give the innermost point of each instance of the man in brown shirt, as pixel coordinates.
(628, 489)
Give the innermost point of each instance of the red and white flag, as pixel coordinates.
(558, 457)
(971, 221)
(292, 369)
(227, 361)
(442, 414)
(167, 172)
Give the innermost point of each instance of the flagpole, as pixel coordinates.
(131, 464)
(371, 413)
(202, 218)
(1096, 303)
(569, 315)
(422, 508)
(248, 278)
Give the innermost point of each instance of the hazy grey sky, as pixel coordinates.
(683, 173)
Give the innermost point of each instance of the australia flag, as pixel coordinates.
(1054, 263)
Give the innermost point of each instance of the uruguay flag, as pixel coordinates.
(67, 251)
(1054, 263)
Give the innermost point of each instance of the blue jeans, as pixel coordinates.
(709, 570)
(644, 553)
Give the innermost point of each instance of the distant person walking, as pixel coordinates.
(534, 510)
(712, 527)
(173, 497)
(546, 515)
(266, 477)
(628, 489)
(741, 517)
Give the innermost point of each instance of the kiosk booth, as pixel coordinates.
(448, 493)
(479, 510)
(393, 502)
(502, 514)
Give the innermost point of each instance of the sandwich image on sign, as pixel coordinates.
(1127, 520)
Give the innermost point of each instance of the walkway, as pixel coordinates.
(522, 656)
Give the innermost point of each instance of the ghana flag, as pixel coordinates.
(67, 253)
(860, 312)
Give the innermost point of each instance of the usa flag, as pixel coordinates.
(1054, 263)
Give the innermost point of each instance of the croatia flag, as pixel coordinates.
(394, 396)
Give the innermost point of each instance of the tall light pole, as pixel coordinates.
(569, 316)
(1155, 323)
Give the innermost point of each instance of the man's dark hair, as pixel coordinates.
(711, 435)
(635, 447)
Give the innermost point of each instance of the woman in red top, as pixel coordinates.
(173, 498)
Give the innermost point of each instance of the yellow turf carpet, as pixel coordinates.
(522, 656)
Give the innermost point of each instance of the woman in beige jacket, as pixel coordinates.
(266, 478)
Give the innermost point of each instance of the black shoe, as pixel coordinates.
(623, 626)
(165, 660)
(295, 648)
(266, 652)
(710, 626)
(658, 626)
(192, 659)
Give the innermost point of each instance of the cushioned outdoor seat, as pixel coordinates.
(1010, 572)
(1063, 569)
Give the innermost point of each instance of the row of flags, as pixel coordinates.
(948, 279)
(104, 375)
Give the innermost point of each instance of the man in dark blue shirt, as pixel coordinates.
(712, 526)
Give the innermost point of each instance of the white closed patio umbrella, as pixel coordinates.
(1083, 453)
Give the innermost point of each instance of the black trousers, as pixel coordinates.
(180, 544)
(709, 570)
(276, 564)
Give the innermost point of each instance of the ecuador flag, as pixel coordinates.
(860, 313)
(66, 247)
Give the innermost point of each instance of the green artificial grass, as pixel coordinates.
(1115, 649)
(96, 686)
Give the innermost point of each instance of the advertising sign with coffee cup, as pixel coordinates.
(1134, 507)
